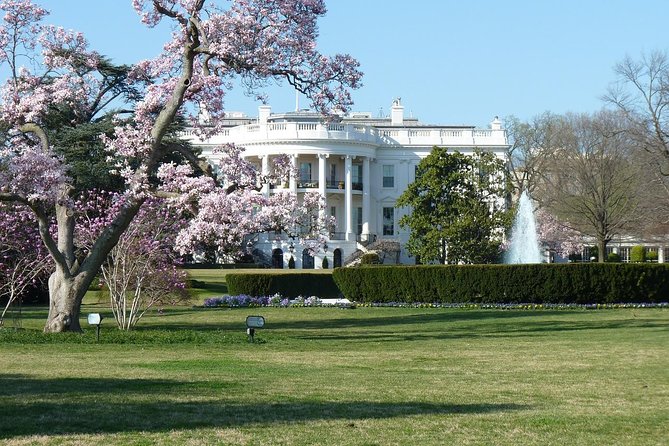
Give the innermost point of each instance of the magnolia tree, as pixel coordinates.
(224, 218)
(257, 41)
(24, 261)
(556, 235)
(140, 271)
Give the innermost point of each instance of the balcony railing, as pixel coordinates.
(339, 184)
(402, 136)
(308, 184)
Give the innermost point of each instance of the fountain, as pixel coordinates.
(524, 245)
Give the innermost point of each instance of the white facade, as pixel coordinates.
(360, 165)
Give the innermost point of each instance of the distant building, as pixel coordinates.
(360, 165)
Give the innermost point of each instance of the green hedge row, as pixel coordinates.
(586, 283)
(287, 284)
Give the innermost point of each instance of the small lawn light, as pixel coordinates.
(252, 323)
(95, 319)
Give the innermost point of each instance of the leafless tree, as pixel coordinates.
(590, 180)
(530, 147)
(641, 94)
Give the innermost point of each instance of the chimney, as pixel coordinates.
(397, 113)
(263, 113)
(203, 116)
(496, 124)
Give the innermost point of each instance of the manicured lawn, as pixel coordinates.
(368, 376)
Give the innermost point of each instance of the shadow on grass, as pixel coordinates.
(95, 406)
(218, 288)
(429, 324)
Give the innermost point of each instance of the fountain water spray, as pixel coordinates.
(524, 247)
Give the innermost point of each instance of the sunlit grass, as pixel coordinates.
(331, 376)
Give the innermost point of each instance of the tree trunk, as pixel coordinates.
(65, 296)
(601, 247)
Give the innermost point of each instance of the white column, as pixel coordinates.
(321, 184)
(294, 173)
(366, 197)
(348, 197)
(660, 254)
(265, 173)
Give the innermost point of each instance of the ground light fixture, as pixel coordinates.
(253, 323)
(95, 319)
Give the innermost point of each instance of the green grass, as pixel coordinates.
(369, 376)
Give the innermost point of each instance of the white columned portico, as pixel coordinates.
(348, 196)
(366, 197)
(321, 183)
(293, 174)
(265, 173)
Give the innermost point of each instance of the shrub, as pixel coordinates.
(291, 263)
(370, 258)
(651, 256)
(286, 284)
(325, 264)
(613, 258)
(581, 283)
(638, 254)
(593, 251)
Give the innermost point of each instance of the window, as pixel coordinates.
(357, 220)
(388, 175)
(305, 172)
(356, 175)
(307, 260)
(416, 173)
(388, 221)
(333, 175)
(337, 258)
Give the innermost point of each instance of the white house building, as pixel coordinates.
(360, 165)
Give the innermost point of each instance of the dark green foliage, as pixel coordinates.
(288, 285)
(291, 263)
(594, 253)
(613, 258)
(456, 201)
(370, 258)
(638, 254)
(651, 256)
(325, 264)
(553, 283)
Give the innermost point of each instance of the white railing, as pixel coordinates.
(388, 137)
(307, 126)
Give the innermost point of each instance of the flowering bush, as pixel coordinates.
(245, 301)
(277, 300)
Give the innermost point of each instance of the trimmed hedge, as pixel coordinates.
(287, 284)
(638, 254)
(585, 283)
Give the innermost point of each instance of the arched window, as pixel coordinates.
(307, 260)
(337, 258)
(277, 258)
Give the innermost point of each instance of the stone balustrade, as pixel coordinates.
(380, 137)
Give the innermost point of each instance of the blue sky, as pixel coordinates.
(451, 62)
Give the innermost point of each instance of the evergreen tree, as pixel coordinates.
(458, 213)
